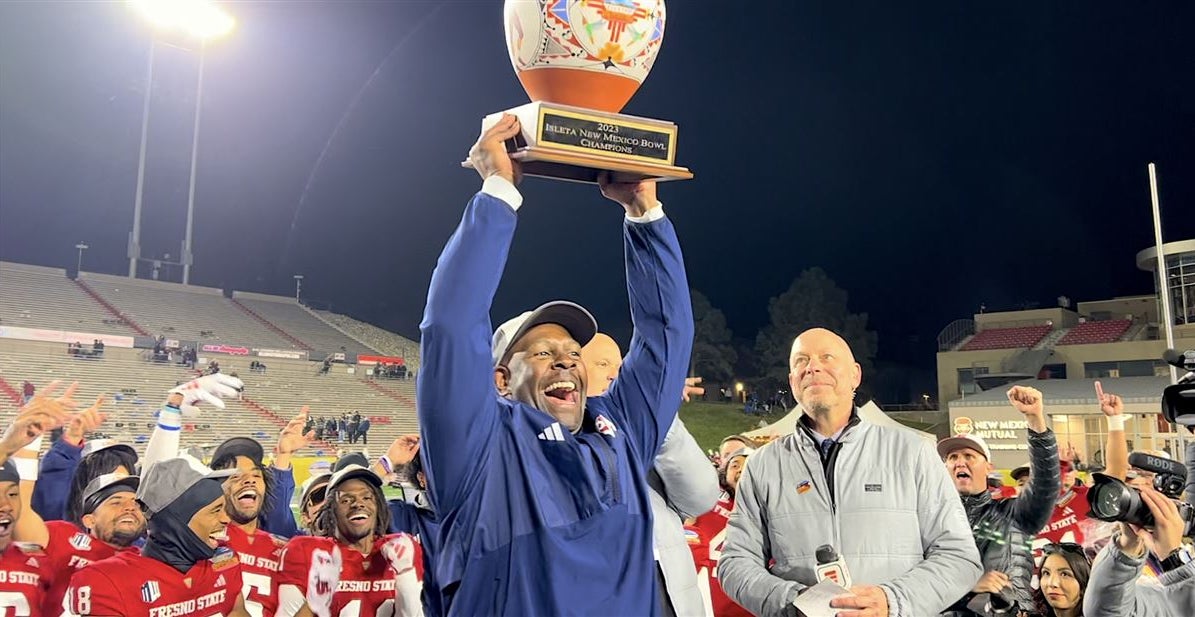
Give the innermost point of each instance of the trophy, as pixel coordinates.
(580, 61)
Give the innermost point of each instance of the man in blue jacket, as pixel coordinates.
(541, 492)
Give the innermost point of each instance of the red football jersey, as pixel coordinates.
(25, 578)
(260, 556)
(1069, 521)
(706, 536)
(132, 585)
(367, 583)
(70, 549)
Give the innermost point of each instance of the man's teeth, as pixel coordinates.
(567, 386)
(248, 494)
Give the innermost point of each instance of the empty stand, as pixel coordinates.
(1007, 338)
(386, 342)
(184, 312)
(295, 320)
(1108, 331)
(136, 388)
(36, 297)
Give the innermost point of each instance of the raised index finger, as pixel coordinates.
(1099, 391)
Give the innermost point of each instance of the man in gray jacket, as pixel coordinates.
(879, 495)
(1113, 590)
(683, 485)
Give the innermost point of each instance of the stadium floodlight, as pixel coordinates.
(201, 19)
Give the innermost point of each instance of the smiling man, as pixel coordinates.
(182, 569)
(245, 492)
(112, 523)
(369, 572)
(1004, 529)
(541, 490)
(877, 494)
(24, 569)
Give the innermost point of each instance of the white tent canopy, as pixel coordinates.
(869, 412)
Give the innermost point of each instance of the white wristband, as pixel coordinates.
(26, 468)
(1116, 423)
(170, 418)
(35, 445)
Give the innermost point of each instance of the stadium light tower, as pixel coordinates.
(199, 20)
(298, 285)
(79, 264)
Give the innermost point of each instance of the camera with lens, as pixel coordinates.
(1178, 400)
(1114, 501)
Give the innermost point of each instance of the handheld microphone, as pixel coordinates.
(831, 566)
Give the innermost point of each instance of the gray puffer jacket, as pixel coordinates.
(1004, 529)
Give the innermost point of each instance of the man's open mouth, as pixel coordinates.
(247, 498)
(5, 524)
(564, 391)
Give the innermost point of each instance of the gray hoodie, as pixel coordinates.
(1114, 591)
(883, 500)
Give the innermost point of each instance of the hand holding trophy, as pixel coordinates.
(580, 61)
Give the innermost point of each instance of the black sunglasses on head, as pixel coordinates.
(1055, 547)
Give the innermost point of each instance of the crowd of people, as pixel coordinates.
(552, 476)
(351, 428)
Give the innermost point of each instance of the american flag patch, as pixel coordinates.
(804, 487)
(150, 592)
(81, 541)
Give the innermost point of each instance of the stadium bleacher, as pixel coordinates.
(136, 387)
(45, 299)
(386, 342)
(1007, 338)
(1107, 331)
(184, 312)
(37, 297)
(294, 319)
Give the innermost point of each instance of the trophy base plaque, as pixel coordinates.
(562, 142)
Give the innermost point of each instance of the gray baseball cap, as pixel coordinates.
(579, 323)
(169, 479)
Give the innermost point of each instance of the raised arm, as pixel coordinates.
(183, 400)
(1116, 448)
(456, 398)
(1031, 511)
(277, 517)
(647, 393)
(54, 480)
(689, 480)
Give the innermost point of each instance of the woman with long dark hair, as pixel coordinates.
(1062, 580)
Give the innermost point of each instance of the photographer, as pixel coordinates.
(1113, 589)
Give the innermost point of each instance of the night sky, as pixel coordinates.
(929, 158)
